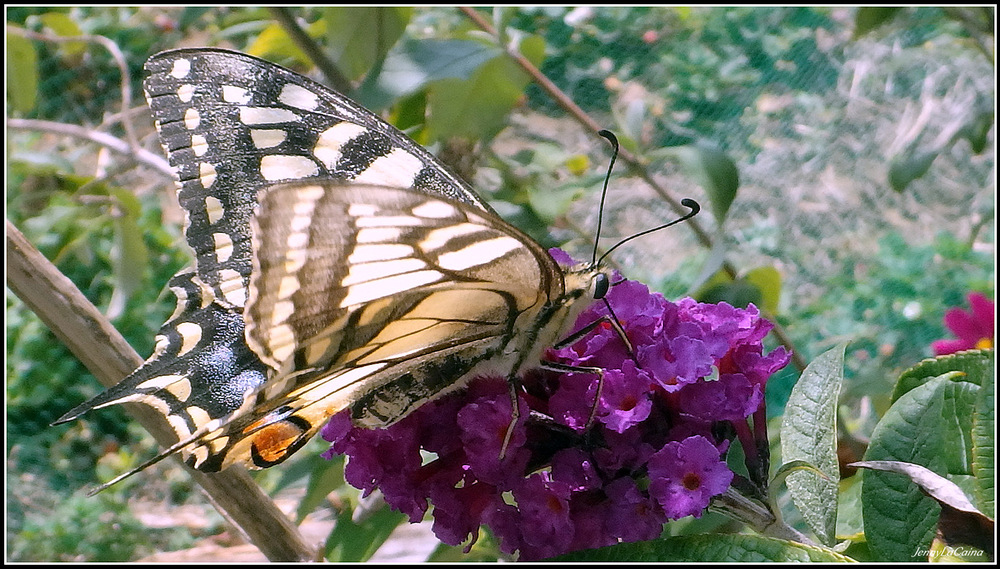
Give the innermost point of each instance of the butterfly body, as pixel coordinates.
(337, 265)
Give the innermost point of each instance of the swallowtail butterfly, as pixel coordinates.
(338, 265)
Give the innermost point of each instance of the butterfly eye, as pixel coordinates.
(601, 284)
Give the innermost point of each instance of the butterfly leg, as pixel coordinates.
(514, 384)
(610, 319)
(598, 371)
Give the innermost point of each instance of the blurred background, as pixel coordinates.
(844, 157)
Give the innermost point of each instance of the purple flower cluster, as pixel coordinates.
(649, 455)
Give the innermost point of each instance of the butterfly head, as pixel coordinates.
(593, 280)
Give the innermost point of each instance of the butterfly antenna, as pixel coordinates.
(170, 451)
(686, 202)
(610, 136)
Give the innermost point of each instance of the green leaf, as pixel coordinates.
(325, 477)
(477, 108)
(738, 293)
(809, 433)
(929, 425)
(351, 541)
(908, 166)
(868, 18)
(977, 130)
(768, 282)
(760, 286)
(22, 73)
(359, 37)
(413, 64)
(130, 256)
(191, 14)
(274, 44)
(532, 47)
(714, 171)
(60, 24)
(850, 522)
(984, 441)
(960, 523)
(731, 548)
(975, 365)
(555, 200)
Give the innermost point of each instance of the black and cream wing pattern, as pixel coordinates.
(337, 264)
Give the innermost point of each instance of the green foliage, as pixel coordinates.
(69, 90)
(712, 170)
(760, 286)
(477, 107)
(43, 527)
(22, 71)
(703, 64)
(869, 18)
(917, 158)
(535, 189)
(970, 363)
(76, 530)
(358, 541)
(360, 37)
(718, 548)
(930, 425)
(413, 65)
(891, 306)
(114, 248)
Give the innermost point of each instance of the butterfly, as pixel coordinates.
(338, 265)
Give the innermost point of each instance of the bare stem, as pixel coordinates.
(102, 138)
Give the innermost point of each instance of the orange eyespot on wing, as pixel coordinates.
(277, 441)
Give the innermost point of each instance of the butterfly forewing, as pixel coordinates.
(232, 124)
(201, 370)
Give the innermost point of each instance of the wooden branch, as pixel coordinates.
(89, 335)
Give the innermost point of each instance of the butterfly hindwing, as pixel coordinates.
(378, 299)
(385, 276)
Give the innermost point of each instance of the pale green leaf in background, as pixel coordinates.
(809, 433)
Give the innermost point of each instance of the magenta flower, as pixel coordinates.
(974, 328)
(654, 452)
